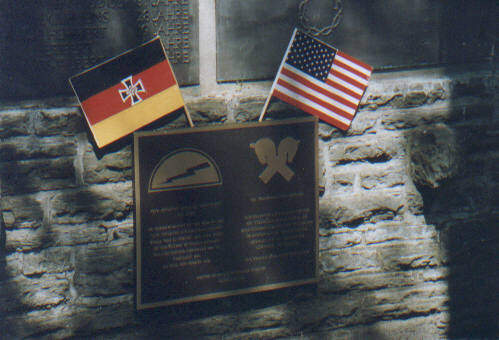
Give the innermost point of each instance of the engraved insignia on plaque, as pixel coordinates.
(276, 161)
(185, 169)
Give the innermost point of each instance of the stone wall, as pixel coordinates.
(408, 220)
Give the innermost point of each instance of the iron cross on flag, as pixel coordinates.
(128, 92)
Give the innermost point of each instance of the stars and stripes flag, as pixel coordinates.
(320, 80)
(127, 92)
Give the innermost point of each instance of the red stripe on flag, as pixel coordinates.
(350, 69)
(306, 108)
(317, 88)
(343, 89)
(355, 61)
(347, 79)
(302, 93)
(108, 102)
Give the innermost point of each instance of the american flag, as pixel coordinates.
(320, 80)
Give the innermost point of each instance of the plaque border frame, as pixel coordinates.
(222, 294)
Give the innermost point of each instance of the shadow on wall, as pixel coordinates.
(53, 256)
(5, 289)
(66, 249)
(455, 167)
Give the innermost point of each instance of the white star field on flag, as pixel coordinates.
(310, 56)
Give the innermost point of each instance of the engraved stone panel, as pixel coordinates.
(252, 35)
(45, 42)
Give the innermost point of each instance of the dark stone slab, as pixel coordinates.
(252, 35)
(45, 42)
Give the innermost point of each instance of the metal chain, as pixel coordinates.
(309, 28)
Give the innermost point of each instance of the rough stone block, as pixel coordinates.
(39, 322)
(383, 177)
(408, 255)
(47, 291)
(208, 110)
(115, 282)
(24, 211)
(37, 175)
(112, 167)
(356, 209)
(11, 265)
(371, 149)
(265, 318)
(111, 201)
(434, 154)
(417, 327)
(383, 232)
(390, 256)
(365, 121)
(372, 281)
(15, 122)
(24, 239)
(355, 259)
(54, 235)
(327, 132)
(110, 316)
(328, 311)
(34, 264)
(66, 121)
(249, 109)
(278, 109)
(340, 183)
(414, 201)
(23, 148)
(461, 198)
(413, 117)
(85, 302)
(339, 238)
(104, 258)
(449, 111)
(51, 260)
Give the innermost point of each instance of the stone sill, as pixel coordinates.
(380, 84)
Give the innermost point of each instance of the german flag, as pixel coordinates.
(128, 92)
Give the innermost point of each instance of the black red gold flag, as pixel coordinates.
(128, 92)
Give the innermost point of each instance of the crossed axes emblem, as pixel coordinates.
(276, 162)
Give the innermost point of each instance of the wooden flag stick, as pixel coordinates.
(277, 77)
(266, 103)
(188, 115)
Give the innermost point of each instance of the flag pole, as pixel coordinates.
(188, 115)
(267, 101)
(277, 77)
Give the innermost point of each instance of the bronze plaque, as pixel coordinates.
(43, 43)
(226, 210)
